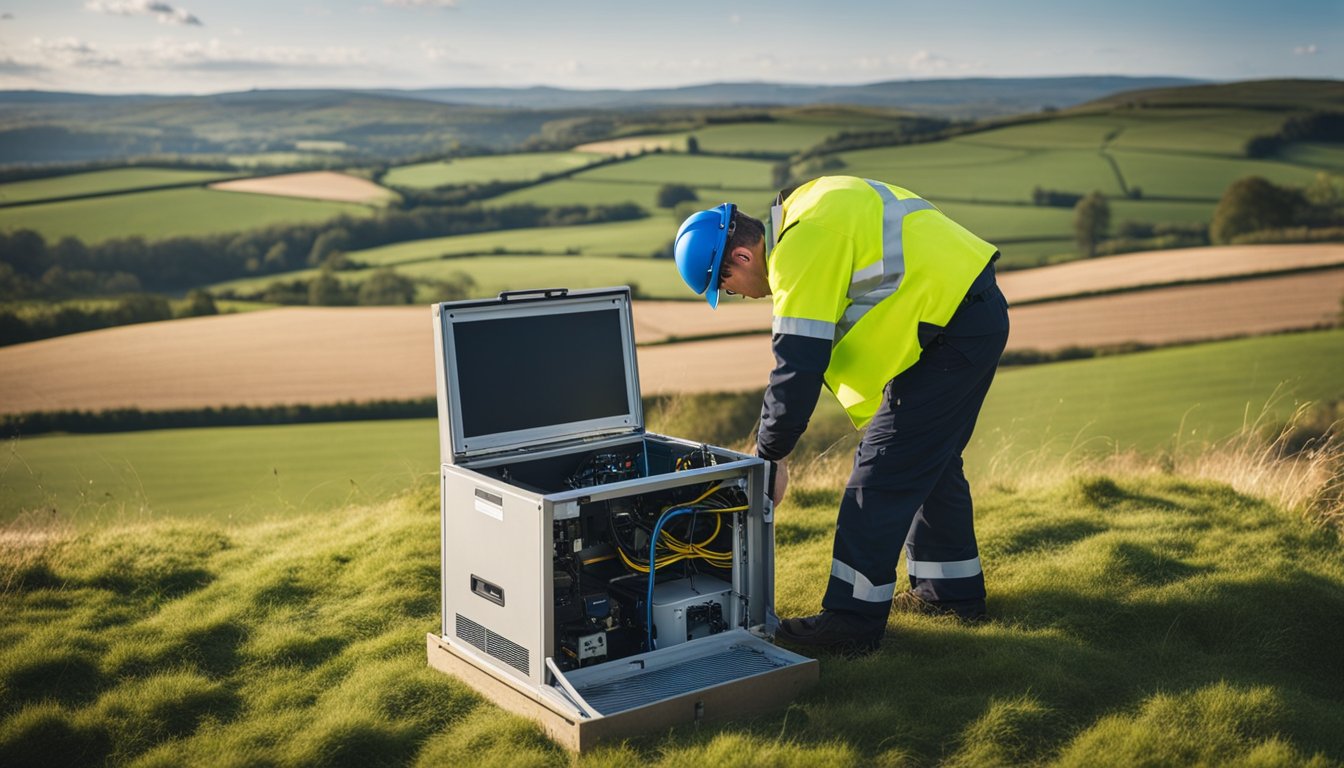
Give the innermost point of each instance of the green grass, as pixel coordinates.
(1137, 620)
(699, 171)
(1323, 156)
(471, 170)
(638, 237)
(223, 473)
(643, 194)
(169, 213)
(1149, 401)
(1197, 176)
(117, 180)
(652, 278)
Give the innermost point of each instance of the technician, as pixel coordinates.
(893, 307)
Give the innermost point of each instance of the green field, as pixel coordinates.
(792, 134)
(97, 182)
(651, 278)
(699, 171)
(226, 473)
(638, 237)
(1169, 175)
(478, 170)
(551, 253)
(643, 194)
(169, 213)
(1150, 401)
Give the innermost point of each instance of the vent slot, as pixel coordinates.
(496, 645)
(471, 631)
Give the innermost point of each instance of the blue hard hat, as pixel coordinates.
(699, 248)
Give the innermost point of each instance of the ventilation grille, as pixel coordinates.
(664, 683)
(495, 645)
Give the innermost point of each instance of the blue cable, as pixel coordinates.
(653, 545)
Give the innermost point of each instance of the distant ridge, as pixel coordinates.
(967, 97)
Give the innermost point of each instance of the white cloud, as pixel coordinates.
(1305, 50)
(421, 3)
(736, 18)
(165, 13)
(219, 55)
(70, 52)
(925, 63)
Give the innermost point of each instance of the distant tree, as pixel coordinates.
(671, 194)
(337, 239)
(1091, 219)
(71, 253)
(1262, 146)
(140, 308)
(458, 285)
(277, 257)
(199, 304)
(1251, 204)
(26, 251)
(385, 286)
(1054, 198)
(781, 174)
(327, 290)
(692, 145)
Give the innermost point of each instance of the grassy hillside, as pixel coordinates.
(474, 170)
(1152, 401)
(99, 182)
(169, 213)
(1136, 619)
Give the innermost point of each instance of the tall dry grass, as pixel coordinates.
(1297, 464)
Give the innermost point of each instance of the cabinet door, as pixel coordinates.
(729, 675)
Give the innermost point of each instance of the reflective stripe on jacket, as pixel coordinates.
(860, 264)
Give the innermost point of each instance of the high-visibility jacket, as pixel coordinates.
(859, 265)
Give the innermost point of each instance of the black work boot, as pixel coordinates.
(838, 631)
(966, 610)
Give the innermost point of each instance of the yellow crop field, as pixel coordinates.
(323, 355)
(315, 185)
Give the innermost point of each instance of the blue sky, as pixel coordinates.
(202, 46)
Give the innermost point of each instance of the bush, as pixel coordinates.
(384, 287)
(1054, 198)
(327, 290)
(1091, 219)
(669, 195)
(1253, 203)
(199, 303)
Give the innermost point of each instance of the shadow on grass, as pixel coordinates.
(62, 675)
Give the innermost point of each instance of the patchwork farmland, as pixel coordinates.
(323, 355)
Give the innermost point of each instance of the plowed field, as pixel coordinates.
(316, 185)
(316, 355)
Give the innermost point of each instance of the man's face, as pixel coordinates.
(748, 276)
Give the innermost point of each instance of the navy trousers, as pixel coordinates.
(907, 487)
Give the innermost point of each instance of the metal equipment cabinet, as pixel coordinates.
(549, 488)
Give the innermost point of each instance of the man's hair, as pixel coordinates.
(747, 232)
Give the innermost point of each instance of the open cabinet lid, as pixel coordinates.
(533, 367)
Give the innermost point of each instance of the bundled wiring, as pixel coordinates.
(681, 550)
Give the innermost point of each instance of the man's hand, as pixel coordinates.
(781, 482)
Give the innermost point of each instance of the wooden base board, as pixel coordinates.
(739, 699)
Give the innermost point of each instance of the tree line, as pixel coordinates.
(1316, 126)
(30, 267)
(64, 319)
(1251, 210)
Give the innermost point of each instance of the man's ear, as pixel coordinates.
(742, 254)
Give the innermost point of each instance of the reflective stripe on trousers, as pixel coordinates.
(864, 589)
